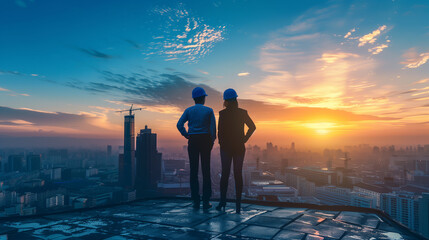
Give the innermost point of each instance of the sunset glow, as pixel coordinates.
(343, 71)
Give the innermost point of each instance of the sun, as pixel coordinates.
(322, 131)
(321, 128)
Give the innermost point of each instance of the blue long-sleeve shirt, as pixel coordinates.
(200, 120)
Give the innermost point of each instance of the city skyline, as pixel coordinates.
(311, 72)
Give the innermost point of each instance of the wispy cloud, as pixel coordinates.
(349, 33)
(414, 59)
(13, 93)
(4, 89)
(371, 37)
(377, 49)
(95, 53)
(299, 75)
(308, 68)
(191, 38)
(422, 81)
(203, 72)
(26, 116)
(310, 18)
(333, 57)
(243, 74)
(133, 43)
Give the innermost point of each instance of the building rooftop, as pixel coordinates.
(174, 218)
(373, 187)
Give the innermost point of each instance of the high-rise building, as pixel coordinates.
(55, 201)
(109, 151)
(403, 207)
(33, 162)
(331, 195)
(285, 164)
(57, 157)
(127, 176)
(424, 215)
(148, 162)
(15, 163)
(359, 199)
(372, 190)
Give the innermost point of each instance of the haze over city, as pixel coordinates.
(214, 119)
(320, 73)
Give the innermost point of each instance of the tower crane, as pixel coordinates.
(346, 160)
(130, 110)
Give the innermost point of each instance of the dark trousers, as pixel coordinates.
(233, 155)
(200, 146)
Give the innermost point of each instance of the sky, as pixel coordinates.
(313, 72)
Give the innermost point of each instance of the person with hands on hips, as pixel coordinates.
(201, 135)
(231, 140)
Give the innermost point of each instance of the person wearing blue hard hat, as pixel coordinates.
(229, 94)
(201, 135)
(231, 140)
(198, 92)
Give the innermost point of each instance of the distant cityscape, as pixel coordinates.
(393, 180)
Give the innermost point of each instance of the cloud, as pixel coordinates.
(95, 53)
(378, 49)
(13, 93)
(333, 57)
(308, 68)
(422, 81)
(134, 44)
(171, 93)
(4, 89)
(190, 38)
(300, 73)
(371, 37)
(414, 59)
(15, 123)
(243, 74)
(29, 117)
(3, 72)
(349, 33)
(310, 18)
(203, 72)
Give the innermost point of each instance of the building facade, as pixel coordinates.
(127, 165)
(403, 207)
(148, 163)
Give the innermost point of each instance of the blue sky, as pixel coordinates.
(364, 60)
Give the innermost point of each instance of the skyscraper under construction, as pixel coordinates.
(127, 163)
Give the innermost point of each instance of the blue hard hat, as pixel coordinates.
(198, 92)
(229, 94)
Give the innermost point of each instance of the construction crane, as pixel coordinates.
(130, 110)
(346, 160)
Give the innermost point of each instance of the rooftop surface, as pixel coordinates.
(175, 219)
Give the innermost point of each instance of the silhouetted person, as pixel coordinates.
(231, 141)
(201, 135)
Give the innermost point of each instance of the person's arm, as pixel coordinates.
(251, 125)
(181, 124)
(213, 126)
